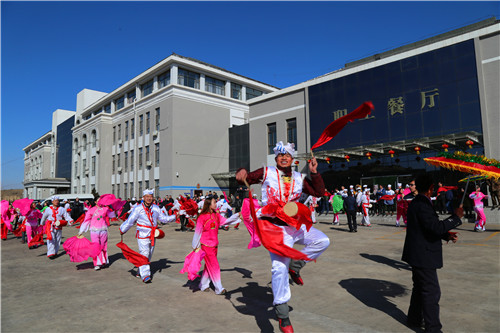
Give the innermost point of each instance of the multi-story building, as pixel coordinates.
(47, 160)
(166, 129)
(441, 92)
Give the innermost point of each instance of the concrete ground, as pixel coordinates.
(359, 284)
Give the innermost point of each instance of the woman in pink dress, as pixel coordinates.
(32, 228)
(206, 236)
(478, 197)
(97, 220)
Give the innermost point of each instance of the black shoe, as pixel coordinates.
(416, 324)
(285, 325)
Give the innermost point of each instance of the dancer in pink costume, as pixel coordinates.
(478, 197)
(401, 206)
(206, 236)
(32, 227)
(97, 220)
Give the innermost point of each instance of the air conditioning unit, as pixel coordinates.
(120, 142)
(149, 163)
(155, 133)
(97, 149)
(119, 169)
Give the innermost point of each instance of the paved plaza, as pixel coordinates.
(359, 284)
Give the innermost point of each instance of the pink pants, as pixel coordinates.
(212, 270)
(100, 237)
(335, 217)
(481, 218)
(32, 230)
(399, 215)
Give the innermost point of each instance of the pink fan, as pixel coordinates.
(80, 249)
(192, 264)
(23, 205)
(106, 199)
(5, 207)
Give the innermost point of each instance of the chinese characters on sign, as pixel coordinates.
(430, 95)
(396, 105)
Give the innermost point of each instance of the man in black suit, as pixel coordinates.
(423, 251)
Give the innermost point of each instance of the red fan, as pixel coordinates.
(189, 205)
(133, 257)
(19, 231)
(80, 249)
(192, 264)
(387, 197)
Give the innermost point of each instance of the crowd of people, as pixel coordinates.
(284, 216)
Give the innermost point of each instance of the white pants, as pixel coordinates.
(146, 250)
(53, 245)
(315, 241)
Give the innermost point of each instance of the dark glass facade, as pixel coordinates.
(64, 148)
(431, 94)
(239, 147)
(428, 95)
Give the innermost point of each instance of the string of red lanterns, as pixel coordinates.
(392, 152)
(417, 149)
(469, 143)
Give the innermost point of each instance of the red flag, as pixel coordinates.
(337, 125)
(135, 258)
(271, 236)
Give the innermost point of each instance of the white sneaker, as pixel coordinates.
(397, 224)
(97, 268)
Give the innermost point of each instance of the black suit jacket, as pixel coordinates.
(424, 233)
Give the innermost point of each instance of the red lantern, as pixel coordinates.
(417, 149)
(391, 152)
(347, 157)
(327, 160)
(445, 146)
(296, 162)
(369, 155)
(308, 161)
(469, 143)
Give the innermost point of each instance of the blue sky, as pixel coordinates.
(52, 50)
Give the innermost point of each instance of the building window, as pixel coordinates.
(83, 189)
(113, 189)
(140, 189)
(131, 189)
(131, 96)
(114, 135)
(75, 189)
(125, 161)
(125, 190)
(131, 160)
(84, 165)
(157, 187)
(157, 120)
(113, 165)
(107, 108)
(236, 91)
(147, 153)
(271, 137)
(84, 142)
(132, 128)
(93, 138)
(93, 166)
(157, 154)
(76, 168)
(147, 88)
(118, 160)
(126, 131)
(146, 184)
(118, 190)
(215, 86)
(189, 79)
(120, 103)
(119, 132)
(140, 158)
(291, 131)
(97, 112)
(251, 93)
(164, 79)
(148, 121)
(141, 124)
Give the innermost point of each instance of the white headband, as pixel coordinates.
(55, 197)
(146, 191)
(283, 149)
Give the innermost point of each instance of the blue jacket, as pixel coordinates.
(350, 204)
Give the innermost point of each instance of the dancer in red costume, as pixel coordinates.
(278, 231)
